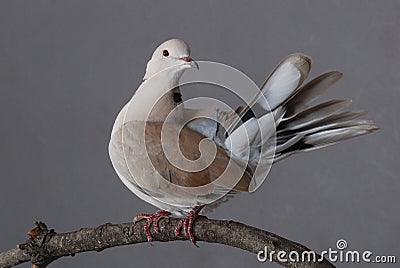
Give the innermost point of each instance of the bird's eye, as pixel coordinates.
(165, 53)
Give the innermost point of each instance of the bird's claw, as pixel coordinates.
(152, 219)
(187, 224)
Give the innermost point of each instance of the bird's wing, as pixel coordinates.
(189, 141)
(145, 166)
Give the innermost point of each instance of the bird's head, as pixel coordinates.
(171, 57)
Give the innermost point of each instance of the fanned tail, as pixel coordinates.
(306, 128)
(303, 126)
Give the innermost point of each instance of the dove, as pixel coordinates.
(186, 161)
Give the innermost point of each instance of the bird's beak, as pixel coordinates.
(193, 64)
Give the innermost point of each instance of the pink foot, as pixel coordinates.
(152, 219)
(187, 224)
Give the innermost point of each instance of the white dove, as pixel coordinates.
(138, 148)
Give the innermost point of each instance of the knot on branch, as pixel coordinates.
(36, 245)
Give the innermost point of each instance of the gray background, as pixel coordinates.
(67, 67)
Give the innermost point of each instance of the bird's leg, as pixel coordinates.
(187, 224)
(151, 219)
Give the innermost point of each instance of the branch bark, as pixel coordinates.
(45, 246)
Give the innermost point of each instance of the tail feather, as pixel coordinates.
(312, 90)
(288, 143)
(330, 136)
(285, 79)
(336, 125)
(341, 117)
(314, 114)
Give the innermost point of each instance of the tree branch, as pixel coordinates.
(44, 246)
